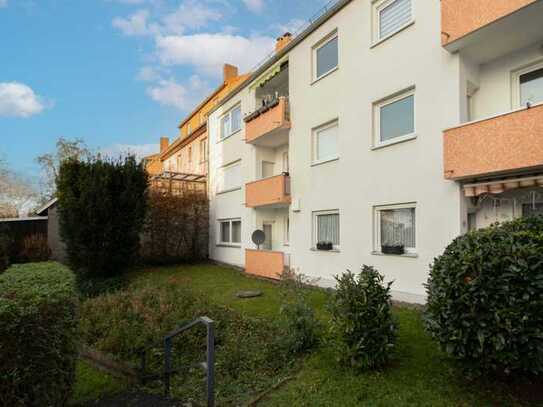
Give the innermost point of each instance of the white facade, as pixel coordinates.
(366, 176)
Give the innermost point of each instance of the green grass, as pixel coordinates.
(420, 376)
(92, 383)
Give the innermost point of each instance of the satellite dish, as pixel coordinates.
(258, 238)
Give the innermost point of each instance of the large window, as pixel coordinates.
(390, 16)
(231, 122)
(326, 228)
(531, 87)
(230, 232)
(395, 119)
(325, 143)
(396, 226)
(203, 151)
(325, 56)
(230, 177)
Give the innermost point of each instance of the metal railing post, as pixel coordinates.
(210, 363)
(167, 365)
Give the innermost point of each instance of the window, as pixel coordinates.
(395, 119)
(285, 162)
(390, 16)
(190, 155)
(286, 239)
(230, 177)
(325, 143)
(531, 87)
(325, 57)
(231, 122)
(267, 169)
(395, 226)
(203, 151)
(326, 227)
(230, 232)
(189, 129)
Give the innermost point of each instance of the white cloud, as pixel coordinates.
(139, 150)
(256, 6)
(149, 73)
(183, 97)
(3, 3)
(209, 52)
(189, 15)
(135, 24)
(19, 100)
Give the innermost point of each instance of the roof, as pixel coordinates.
(182, 142)
(327, 15)
(45, 207)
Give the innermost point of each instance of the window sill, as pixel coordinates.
(397, 140)
(408, 255)
(314, 249)
(226, 191)
(229, 246)
(317, 163)
(320, 78)
(380, 41)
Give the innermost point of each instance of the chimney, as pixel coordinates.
(164, 143)
(230, 72)
(283, 41)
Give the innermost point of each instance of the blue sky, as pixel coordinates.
(121, 73)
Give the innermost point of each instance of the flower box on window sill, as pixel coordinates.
(325, 246)
(397, 250)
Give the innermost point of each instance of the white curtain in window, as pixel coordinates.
(398, 227)
(231, 177)
(225, 126)
(328, 228)
(393, 17)
(327, 140)
(236, 119)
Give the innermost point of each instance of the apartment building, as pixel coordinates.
(182, 165)
(379, 134)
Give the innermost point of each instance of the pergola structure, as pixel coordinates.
(179, 182)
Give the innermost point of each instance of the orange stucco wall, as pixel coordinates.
(264, 263)
(267, 191)
(153, 165)
(461, 17)
(510, 142)
(271, 120)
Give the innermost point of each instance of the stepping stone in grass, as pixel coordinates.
(248, 294)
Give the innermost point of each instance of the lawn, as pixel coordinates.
(421, 375)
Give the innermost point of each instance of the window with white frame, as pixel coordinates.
(230, 177)
(325, 142)
(396, 226)
(231, 122)
(325, 56)
(391, 16)
(531, 85)
(326, 228)
(203, 150)
(286, 239)
(230, 232)
(394, 118)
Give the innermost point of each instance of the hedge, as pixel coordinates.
(38, 340)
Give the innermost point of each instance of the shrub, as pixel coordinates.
(38, 341)
(5, 245)
(35, 248)
(485, 298)
(300, 327)
(102, 207)
(363, 330)
(176, 228)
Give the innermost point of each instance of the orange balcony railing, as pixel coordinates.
(460, 18)
(264, 263)
(267, 122)
(268, 191)
(508, 143)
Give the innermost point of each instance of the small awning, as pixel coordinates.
(270, 73)
(502, 185)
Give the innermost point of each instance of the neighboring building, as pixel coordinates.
(56, 245)
(371, 130)
(183, 164)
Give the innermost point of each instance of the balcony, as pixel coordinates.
(509, 143)
(487, 29)
(264, 263)
(273, 191)
(270, 125)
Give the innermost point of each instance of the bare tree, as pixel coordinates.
(50, 162)
(17, 195)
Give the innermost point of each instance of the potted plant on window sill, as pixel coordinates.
(325, 246)
(393, 248)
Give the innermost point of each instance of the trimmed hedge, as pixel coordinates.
(485, 299)
(38, 338)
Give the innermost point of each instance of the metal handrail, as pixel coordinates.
(208, 365)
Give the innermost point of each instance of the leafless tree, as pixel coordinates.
(17, 194)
